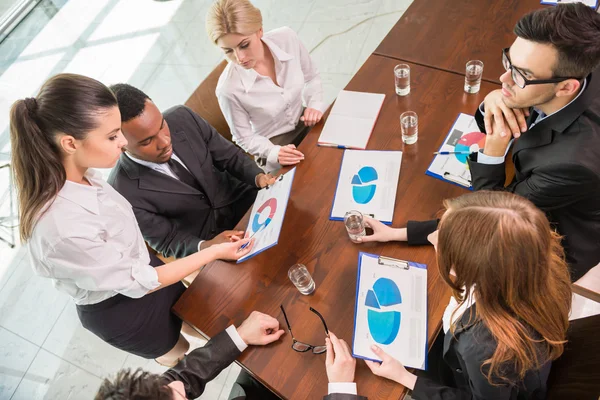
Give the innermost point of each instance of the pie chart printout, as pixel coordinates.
(363, 185)
(264, 214)
(383, 325)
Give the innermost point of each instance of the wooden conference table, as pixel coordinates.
(445, 34)
(225, 293)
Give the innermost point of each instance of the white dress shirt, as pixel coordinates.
(89, 243)
(256, 109)
(493, 160)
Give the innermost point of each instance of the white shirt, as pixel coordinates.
(485, 159)
(455, 311)
(162, 168)
(89, 243)
(256, 109)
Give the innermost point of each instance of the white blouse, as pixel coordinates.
(454, 311)
(89, 243)
(256, 109)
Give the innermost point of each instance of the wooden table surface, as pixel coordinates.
(445, 34)
(225, 293)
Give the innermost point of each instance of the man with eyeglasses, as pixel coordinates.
(549, 105)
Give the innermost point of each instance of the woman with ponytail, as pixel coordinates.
(81, 233)
(507, 318)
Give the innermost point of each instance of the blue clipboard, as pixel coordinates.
(292, 174)
(447, 178)
(386, 261)
(553, 3)
(331, 217)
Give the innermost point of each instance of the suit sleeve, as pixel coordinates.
(203, 364)
(227, 156)
(474, 349)
(163, 236)
(417, 231)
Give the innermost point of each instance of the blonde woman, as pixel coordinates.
(261, 91)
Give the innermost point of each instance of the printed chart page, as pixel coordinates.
(391, 311)
(267, 214)
(351, 119)
(464, 137)
(367, 183)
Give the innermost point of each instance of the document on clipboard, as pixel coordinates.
(589, 3)
(391, 310)
(464, 138)
(268, 211)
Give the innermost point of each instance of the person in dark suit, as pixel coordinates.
(187, 184)
(499, 254)
(189, 377)
(550, 100)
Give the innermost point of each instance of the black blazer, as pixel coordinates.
(173, 216)
(557, 167)
(203, 364)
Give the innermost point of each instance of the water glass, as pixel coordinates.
(355, 225)
(402, 79)
(473, 74)
(301, 278)
(409, 123)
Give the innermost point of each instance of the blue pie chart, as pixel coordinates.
(363, 185)
(383, 325)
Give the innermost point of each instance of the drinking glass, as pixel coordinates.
(402, 79)
(409, 124)
(300, 277)
(473, 74)
(355, 225)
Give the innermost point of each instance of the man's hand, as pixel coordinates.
(288, 155)
(263, 180)
(391, 368)
(311, 117)
(259, 329)
(497, 142)
(340, 364)
(223, 237)
(508, 120)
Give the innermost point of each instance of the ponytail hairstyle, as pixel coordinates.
(232, 16)
(502, 247)
(66, 104)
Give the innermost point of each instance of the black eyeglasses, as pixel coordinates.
(302, 347)
(519, 78)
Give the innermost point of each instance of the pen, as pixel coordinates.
(446, 153)
(251, 236)
(337, 146)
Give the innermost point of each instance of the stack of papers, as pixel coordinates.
(351, 120)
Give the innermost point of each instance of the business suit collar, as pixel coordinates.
(541, 133)
(148, 179)
(466, 321)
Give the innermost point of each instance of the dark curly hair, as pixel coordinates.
(572, 29)
(136, 385)
(131, 100)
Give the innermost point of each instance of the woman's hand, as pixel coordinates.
(232, 250)
(381, 232)
(311, 117)
(391, 368)
(288, 155)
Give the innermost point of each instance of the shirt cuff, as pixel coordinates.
(490, 160)
(342, 387)
(236, 338)
(481, 109)
(318, 105)
(145, 280)
(200, 244)
(256, 180)
(272, 159)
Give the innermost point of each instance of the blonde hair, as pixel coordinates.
(232, 16)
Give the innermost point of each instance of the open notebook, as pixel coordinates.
(351, 120)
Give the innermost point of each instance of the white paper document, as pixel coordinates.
(391, 310)
(351, 120)
(367, 183)
(267, 214)
(464, 137)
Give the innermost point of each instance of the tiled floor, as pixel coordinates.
(161, 47)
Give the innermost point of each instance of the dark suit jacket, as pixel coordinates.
(557, 167)
(203, 364)
(173, 216)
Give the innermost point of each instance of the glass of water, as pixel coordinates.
(473, 74)
(301, 278)
(409, 124)
(402, 79)
(355, 225)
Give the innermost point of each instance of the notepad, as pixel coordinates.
(351, 120)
